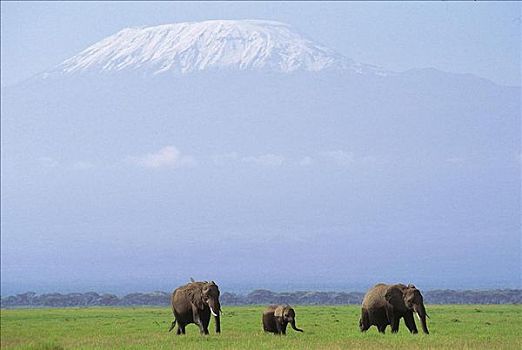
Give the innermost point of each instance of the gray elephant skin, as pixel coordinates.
(194, 303)
(277, 317)
(385, 305)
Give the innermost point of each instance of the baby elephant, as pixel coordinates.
(277, 317)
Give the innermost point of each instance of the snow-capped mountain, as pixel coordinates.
(210, 45)
(121, 145)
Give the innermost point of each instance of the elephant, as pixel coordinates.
(385, 305)
(277, 317)
(193, 303)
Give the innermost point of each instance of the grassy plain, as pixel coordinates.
(326, 327)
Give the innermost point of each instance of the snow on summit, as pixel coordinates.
(210, 45)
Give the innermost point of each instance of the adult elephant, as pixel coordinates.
(193, 303)
(385, 305)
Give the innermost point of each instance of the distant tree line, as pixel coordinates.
(257, 297)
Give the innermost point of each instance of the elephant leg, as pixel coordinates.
(395, 324)
(382, 328)
(180, 329)
(364, 323)
(202, 329)
(364, 328)
(279, 328)
(283, 328)
(200, 325)
(393, 319)
(198, 321)
(205, 322)
(389, 315)
(410, 322)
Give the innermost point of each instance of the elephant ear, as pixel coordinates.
(278, 312)
(394, 296)
(195, 295)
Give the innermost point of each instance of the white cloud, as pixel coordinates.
(339, 157)
(167, 157)
(265, 160)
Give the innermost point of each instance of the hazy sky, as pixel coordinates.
(327, 181)
(464, 37)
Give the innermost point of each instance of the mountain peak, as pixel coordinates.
(181, 48)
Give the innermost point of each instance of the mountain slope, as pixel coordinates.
(210, 45)
(423, 164)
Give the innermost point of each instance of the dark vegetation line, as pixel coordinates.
(257, 297)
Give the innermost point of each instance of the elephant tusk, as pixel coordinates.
(213, 313)
(418, 316)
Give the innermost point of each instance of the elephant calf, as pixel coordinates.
(385, 305)
(277, 317)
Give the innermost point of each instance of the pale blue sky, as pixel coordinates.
(347, 180)
(463, 37)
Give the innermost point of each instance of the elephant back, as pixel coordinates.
(375, 297)
(190, 293)
(186, 295)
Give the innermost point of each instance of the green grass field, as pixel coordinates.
(326, 327)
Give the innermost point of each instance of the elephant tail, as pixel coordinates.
(172, 325)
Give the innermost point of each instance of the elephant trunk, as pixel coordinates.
(215, 309)
(421, 312)
(218, 323)
(292, 323)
